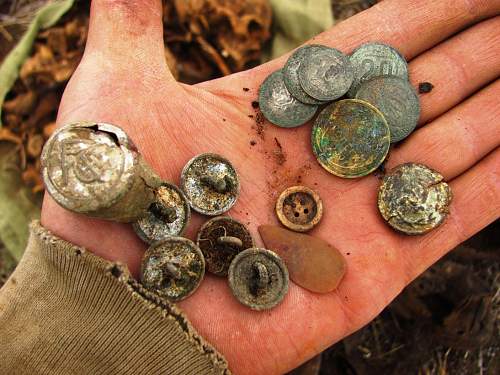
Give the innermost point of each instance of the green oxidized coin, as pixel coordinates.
(396, 99)
(413, 198)
(350, 138)
(291, 74)
(279, 106)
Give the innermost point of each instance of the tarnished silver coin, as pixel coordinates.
(279, 106)
(413, 198)
(325, 74)
(291, 74)
(396, 99)
(167, 216)
(258, 278)
(210, 183)
(173, 268)
(373, 60)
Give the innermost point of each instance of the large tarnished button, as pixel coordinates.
(220, 240)
(396, 99)
(210, 183)
(258, 278)
(299, 208)
(413, 198)
(291, 74)
(167, 216)
(350, 138)
(373, 60)
(279, 106)
(173, 268)
(325, 74)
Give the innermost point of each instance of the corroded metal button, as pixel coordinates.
(350, 138)
(220, 240)
(258, 278)
(210, 183)
(299, 208)
(413, 198)
(95, 169)
(173, 268)
(167, 216)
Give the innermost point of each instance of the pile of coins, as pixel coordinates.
(94, 169)
(351, 137)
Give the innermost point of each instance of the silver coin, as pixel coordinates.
(396, 99)
(279, 106)
(325, 74)
(291, 74)
(373, 60)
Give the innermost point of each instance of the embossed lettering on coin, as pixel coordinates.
(279, 106)
(88, 166)
(350, 138)
(373, 60)
(325, 74)
(396, 99)
(413, 198)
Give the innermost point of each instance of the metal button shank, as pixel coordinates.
(173, 268)
(221, 239)
(299, 208)
(258, 278)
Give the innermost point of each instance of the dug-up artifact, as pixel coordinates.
(167, 216)
(258, 278)
(299, 208)
(173, 268)
(210, 183)
(95, 169)
(220, 240)
(414, 199)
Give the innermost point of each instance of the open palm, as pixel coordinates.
(123, 79)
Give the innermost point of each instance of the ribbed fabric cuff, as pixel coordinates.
(66, 311)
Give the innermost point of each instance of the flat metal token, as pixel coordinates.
(173, 268)
(279, 106)
(325, 74)
(168, 215)
(291, 74)
(413, 198)
(258, 278)
(350, 138)
(210, 183)
(220, 240)
(396, 99)
(373, 60)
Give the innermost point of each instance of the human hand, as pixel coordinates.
(123, 79)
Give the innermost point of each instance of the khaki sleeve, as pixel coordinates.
(66, 311)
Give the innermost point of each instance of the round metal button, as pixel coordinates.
(258, 278)
(173, 268)
(299, 208)
(167, 216)
(220, 240)
(210, 183)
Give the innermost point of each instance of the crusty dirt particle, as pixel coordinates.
(425, 87)
(255, 104)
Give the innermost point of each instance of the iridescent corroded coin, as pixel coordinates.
(413, 198)
(299, 208)
(258, 278)
(167, 216)
(173, 268)
(325, 74)
(350, 138)
(396, 99)
(376, 59)
(210, 183)
(95, 169)
(220, 240)
(279, 106)
(291, 74)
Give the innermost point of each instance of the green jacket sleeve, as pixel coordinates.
(66, 311)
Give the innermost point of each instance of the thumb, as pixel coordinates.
(127, 33)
